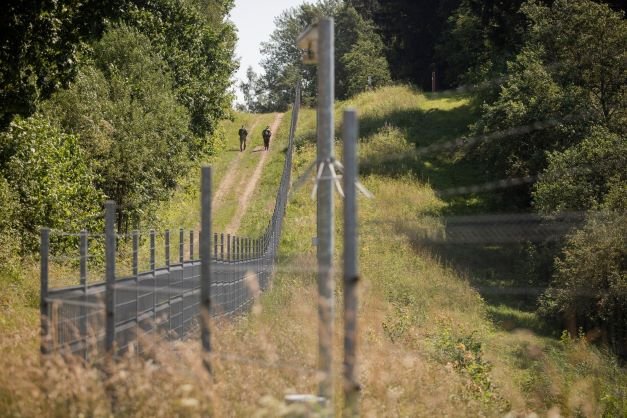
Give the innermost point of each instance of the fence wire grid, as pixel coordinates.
(158, 293)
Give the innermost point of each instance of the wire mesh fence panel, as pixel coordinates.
(157, 280)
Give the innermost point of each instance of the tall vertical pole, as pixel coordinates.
(110, 275)
(83, 280)
(228, 247)
(351, 266)
(169, 288)
(191, 245)
(181, 246)
(44, 252)
(135, 235)
(325, 222)
(205, 266)
(153, 269)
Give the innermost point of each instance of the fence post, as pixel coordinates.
(153, 268)
(83, 280)
(228, 247)
(222, 246)
(44, 253)
(110, 239)
(181, 246)
(169, 289)
(135, 235)
(205, 266)
(325, 217)
(215, 245)
(351, 266)
(191, 245)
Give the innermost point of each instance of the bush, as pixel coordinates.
(584, 176)
(129, 121)
(590, 284)
(50, 177)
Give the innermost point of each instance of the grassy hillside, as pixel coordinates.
(429, 343)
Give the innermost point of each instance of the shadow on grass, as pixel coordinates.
(510, 276)
(442, 169)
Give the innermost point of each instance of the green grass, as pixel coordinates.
(420, 313)
(261, 206)
(429, 343)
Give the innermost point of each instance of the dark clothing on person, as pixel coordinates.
(266, 138)
(243, 133)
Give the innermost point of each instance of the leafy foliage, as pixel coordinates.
(129, 121)
(360, 62)
(569, 77)
(40, 45)
(51, 178)
(590, 285)
(197, 45)
(586, 176)
(480, 38)
(410, 30)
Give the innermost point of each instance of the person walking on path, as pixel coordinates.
(266, 138)
(243, 133)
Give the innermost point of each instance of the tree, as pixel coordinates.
(568, 78)
(360, 54)
(589, 175)
(49, 175)
(129, 122)
(357, 46)
(197, 44)
(589, 289)
(481, 36)
(40, 46)
(410, 30)
(254, 96)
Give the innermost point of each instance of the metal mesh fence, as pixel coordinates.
(156, 290)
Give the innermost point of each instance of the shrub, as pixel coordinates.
(590, 284)
(51, 179)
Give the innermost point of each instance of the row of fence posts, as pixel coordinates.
(226, 247)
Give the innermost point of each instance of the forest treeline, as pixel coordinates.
(105, 100)
(550, 75)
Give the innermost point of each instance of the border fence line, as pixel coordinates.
(89, 319)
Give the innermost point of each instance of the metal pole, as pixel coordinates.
(110, 275)
(153, 268)
(169, 289)
(181, 246)
(228, 247)
(83, 279)
(191, 245)
(351, 266)
(205, 266)
(215, 245)
(44, 253)
(135, 235)
(325, 222)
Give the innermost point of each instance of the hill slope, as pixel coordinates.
(430, 344)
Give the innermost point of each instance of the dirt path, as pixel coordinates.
(231, 174)
(251, 184)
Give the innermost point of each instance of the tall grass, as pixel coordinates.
(429, 344)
